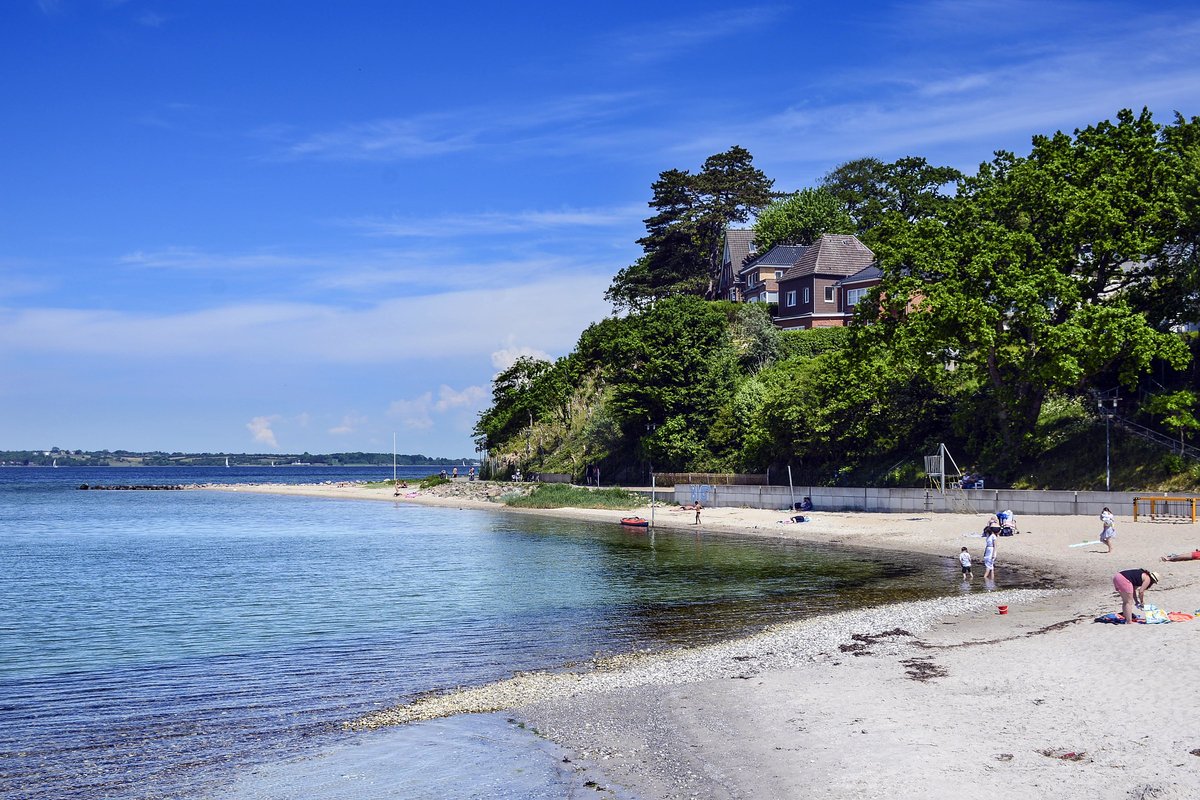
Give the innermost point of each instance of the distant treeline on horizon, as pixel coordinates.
(103, 458)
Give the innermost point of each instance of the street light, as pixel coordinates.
(1107, 411)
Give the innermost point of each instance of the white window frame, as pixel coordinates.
(829, 294)
(853, 296)
(807, 296)
(790, 298)
(778, 274)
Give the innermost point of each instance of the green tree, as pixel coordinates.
(1016, 284)
(801, 218)
(682, 245)
(755, 338)
(1167, 287)
(1177, 410)
(514, 403)
(674, 367)
(870, 190)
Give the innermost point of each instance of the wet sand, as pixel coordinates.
(932, 699)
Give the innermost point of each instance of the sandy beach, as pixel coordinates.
(934, 699)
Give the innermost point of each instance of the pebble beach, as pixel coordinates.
(927, 699)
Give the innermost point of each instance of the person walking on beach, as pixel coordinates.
(989, 556)
(964, 558)
(1132, 584)
(1109, 530)
(698, 507)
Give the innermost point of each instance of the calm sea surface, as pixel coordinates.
(170, 644)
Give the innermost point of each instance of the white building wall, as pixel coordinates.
(985, 501)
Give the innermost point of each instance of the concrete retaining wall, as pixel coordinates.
(982, 501)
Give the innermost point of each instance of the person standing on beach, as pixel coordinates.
(698, 507)
(1132, 584)
(1109, 529)
(964, 558)
(989, 555)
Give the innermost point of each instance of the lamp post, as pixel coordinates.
(1107, 405)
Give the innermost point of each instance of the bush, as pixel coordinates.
(814, 342)
(429, 481)
(1174, 464)
(560, 495)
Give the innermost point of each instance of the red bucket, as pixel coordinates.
(1002, 609)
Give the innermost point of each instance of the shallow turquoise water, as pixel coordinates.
(159, 644)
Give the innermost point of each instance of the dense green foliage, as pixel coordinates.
(1010, 300)
(558, 495)
(801, 218)
(683, 241)
(871, 191)
(429, 481)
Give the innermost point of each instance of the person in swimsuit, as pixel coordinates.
(989, 556)
(1132, 584)
(1192, 556)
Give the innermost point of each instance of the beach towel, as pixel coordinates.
(1158, 616)
(1150, 614)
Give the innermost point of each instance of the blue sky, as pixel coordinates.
(229, 225)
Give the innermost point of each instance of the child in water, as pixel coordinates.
(964, 558)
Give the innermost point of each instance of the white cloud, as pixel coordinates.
(418, 412)
(505, 358)
(383, 140)
(188, 258)
(546, 314)
(470, 397)
(657, 42)
(490, 223)
(260, 430)
(350, 424)
(926, 102)
(415, 412)
(498, 126)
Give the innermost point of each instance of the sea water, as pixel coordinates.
(163, 644)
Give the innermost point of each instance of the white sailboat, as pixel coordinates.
(226, 461)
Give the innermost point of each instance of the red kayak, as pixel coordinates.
(635, 522)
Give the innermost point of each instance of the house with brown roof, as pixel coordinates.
(760, 275)
(738, 247)
(826, 281)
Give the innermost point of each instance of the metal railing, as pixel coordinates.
(710, 478)
(1151, 435)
